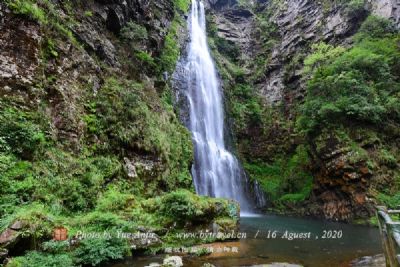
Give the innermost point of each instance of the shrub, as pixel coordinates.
(359, 84)
(391, 201)
(375, 27)
(355, 7)
(227, 48)
(39, 259)
(97, 250)
(113, 200)
(73, 182)
(39, 221)
(146, 60)
(181, 5)
(18, 133)
(321, 54)
(99, 221)
(182, 205)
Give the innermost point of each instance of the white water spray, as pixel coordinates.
(216, 172)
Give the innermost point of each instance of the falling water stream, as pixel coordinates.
(216, 171)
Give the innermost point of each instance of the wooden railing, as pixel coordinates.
(390, 234)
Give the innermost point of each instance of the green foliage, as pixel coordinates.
(29, 8)
(38, 259)
(74, 183)
(321, 53)
(134, 32)
(286, 180)
(181, 5)
(227, 48)
(182, 205)
(390, 201)
(99, 221)
(359, 84)
(244, 106)
(146, 60)
(88, 13)
(94, 251)
(18, 133)
(113, 200)
(355, 7)
(170, 53)
(44, 12)
(267, 33)
(126, 118)
(36, 217)
(59, 179)
(387, 158)
(55, 247)
(375, 27)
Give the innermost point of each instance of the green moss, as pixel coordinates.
(144, 129)
(114, 200)
(28, 8)
(44, 12)
(391, 201)
(286, 180)
(88, 13)
(181, 5)
(171, 51)
(185, 206)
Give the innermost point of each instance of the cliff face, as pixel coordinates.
(274, 38)
(88, 131)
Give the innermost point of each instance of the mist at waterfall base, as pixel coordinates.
(216, 171)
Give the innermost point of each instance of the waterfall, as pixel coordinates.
(216, 171)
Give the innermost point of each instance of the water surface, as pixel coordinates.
(257, 248)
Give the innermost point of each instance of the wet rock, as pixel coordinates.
(144, 240)
(173, 261)
(94, 41)
(18, 225)
(342, 180)
(9, 238)
(19, 57)
(370, 261)
(130, 168)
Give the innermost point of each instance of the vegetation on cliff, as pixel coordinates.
(336, 119)
(101, 151)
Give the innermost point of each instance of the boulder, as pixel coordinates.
(9, 238)
(173, 261)
(144, 240)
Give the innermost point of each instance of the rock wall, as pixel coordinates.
(344, 188)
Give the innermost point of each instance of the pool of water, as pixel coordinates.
(319, 244)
